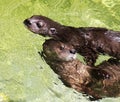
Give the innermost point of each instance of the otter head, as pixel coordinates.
(41, 25)
(58, 51)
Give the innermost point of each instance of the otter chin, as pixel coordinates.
(96, 82)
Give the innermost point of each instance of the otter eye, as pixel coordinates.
(62, 47)
(39, 24)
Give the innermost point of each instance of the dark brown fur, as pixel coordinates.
(88, 41)
(100, 81)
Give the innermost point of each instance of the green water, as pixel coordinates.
(24, 76)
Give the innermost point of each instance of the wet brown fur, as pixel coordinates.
(101, 81)
(88, 41)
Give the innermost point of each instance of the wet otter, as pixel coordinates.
(88, 41)
(98, 82)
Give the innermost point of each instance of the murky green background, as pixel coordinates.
(24, 76)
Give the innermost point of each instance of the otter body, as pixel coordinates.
(100, 81)
(88, 41)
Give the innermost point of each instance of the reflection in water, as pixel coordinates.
(98, 82)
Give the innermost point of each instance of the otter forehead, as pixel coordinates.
(37, 18)
(54, 44)
(48, 21)
(40, 17)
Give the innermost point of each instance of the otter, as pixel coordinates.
(88, 41)
(100, 81)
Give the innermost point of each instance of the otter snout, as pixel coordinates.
(27, 22)
(73, 51)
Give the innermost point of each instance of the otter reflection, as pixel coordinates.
(98, 82)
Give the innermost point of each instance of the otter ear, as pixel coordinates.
(52, 31)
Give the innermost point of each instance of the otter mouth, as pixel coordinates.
(44, 35)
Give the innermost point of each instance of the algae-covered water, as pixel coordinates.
(24, 76)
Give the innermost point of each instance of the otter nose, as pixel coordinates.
(73, 51)
(53, 30)
(27, 22)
